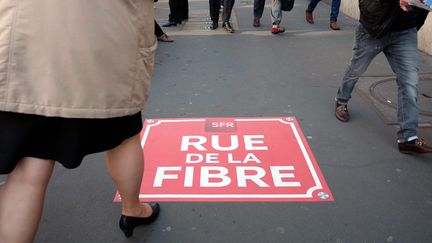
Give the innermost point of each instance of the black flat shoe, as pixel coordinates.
(169, 24)
(128, 223)
(228, 27)
(214, 25)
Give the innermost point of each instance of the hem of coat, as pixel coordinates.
(70, 112)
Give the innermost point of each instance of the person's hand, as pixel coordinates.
(404, 4)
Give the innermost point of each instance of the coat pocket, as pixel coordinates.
(145, 64)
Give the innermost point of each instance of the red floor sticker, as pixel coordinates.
(229, 159)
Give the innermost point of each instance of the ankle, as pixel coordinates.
(132, 211)
(142, 210)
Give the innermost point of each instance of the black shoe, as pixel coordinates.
(228, 27)
(214, 25)
(416, 146)
(171, 23)
(128, 223)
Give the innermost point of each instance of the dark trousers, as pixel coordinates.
(258, 8)
(158, 30)
(215, 7)
(179, 10)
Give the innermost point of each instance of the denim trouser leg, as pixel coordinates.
(335, 10)
(276, 12)
(258, 8)
(312, 5)
(364, 50)
(402, 56)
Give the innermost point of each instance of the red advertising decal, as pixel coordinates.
(229, 159)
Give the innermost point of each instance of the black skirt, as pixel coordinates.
(66, 140)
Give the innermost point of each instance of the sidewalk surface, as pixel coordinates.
(380, 194)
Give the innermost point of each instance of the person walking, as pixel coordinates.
(258, 10)
(276, 17)
(179, 11)
(74, 78)
(385, 27)
(333, 14)
(226, 14)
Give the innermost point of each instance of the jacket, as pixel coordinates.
(377, 16)
(76, 58)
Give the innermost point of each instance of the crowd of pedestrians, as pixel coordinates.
(179, 13)
(384, 27)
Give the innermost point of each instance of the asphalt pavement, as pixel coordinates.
(380, 195)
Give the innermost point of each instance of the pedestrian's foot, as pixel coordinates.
(309, 17)
(276, 29)
(169, 24)
(214, 25)
(128, 223)
(341, 112)
(415, 146)
(228, 27)
(165, 38)
(256, 23)
(334, 25)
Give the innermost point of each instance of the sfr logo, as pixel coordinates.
(220, 125)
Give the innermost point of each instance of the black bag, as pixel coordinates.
(287, 5)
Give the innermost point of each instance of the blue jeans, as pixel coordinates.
(400, 49)
(334, 8)
(276, 12)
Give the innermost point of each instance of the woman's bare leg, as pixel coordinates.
(22, 200)
(126, 165)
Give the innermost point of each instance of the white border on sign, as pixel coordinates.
(288, 121)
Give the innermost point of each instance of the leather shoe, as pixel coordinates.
(418, 146)
(228, 27)
(128, 223)
(256, 22)
(341, 112)
(276, 29)
(334, 25)
(165, 38)
(309, 17)
(214, 25)
(170, 24)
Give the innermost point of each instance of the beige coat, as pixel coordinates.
(76, 58)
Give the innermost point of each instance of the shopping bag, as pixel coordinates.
(287, 5)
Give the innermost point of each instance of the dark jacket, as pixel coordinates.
(377, 16)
